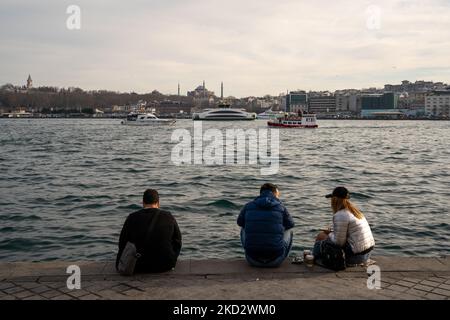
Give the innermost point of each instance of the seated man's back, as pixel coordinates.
(160, 247)
(265, 222)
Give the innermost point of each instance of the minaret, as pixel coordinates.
(204, 89)
(221, 90)
(29, 82)
(178, 89)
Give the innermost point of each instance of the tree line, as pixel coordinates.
(44, 99)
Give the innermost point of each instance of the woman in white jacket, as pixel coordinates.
(351, 231)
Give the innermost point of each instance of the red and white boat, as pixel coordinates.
(305, 121)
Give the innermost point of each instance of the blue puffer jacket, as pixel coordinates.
(264, 220)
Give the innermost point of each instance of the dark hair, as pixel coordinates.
(268, 186)
(151, 196)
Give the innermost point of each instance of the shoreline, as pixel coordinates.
(166, 117)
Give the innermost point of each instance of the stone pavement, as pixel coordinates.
(401, 278)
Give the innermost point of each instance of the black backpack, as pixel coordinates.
(332, 256)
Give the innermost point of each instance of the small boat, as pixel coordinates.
(224, 112)
(269, 114)
(305, 121)
(145, 119)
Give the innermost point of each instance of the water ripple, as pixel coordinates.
(67, 185)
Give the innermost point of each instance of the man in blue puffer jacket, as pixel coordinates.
(265, 234)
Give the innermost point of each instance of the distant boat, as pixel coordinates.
(269, 114)
(224, 113)
(304, 121)
(20, 114)
(146, 119)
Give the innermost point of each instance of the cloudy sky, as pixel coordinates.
(256, 47)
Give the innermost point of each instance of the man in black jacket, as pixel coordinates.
(159, 248)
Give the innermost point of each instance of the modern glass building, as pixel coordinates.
(296, 100)
(386, 100)
(376, 103)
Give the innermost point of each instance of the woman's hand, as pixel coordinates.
(322, 236)
(326, 231)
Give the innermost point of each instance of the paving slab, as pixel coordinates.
(401, 278)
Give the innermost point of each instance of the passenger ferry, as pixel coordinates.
(146, 119)
(303, 121)
(224, 112)
(270, 114)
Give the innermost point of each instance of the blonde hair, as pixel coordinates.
(340, 203)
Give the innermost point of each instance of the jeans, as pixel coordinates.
(287, 239)
(350, 257)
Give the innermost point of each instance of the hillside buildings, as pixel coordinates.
(437, 103)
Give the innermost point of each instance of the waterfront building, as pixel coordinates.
(437, 103)
(322, 105)
(375, 104)
(296, 100)
(413, 103)
(348, 103)
(166, 108)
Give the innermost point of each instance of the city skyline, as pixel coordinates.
(28, 84)
(255, 48)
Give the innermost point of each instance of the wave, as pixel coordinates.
(19, 217)
(91, 206)
(70, 198)
(129, 207)
(227, 214)
(223, 203)
(360, 195)
(23, 243)
(88, 194)
(120, 159)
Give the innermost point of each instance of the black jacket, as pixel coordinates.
(159, 249)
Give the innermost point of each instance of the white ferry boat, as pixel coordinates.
(303, 121)
(224, 112)
(145, 119)
(269, 114)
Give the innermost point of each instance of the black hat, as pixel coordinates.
(339, 192)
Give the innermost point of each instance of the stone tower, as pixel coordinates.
(29, 82)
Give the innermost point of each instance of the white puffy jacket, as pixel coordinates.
(348, 228)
